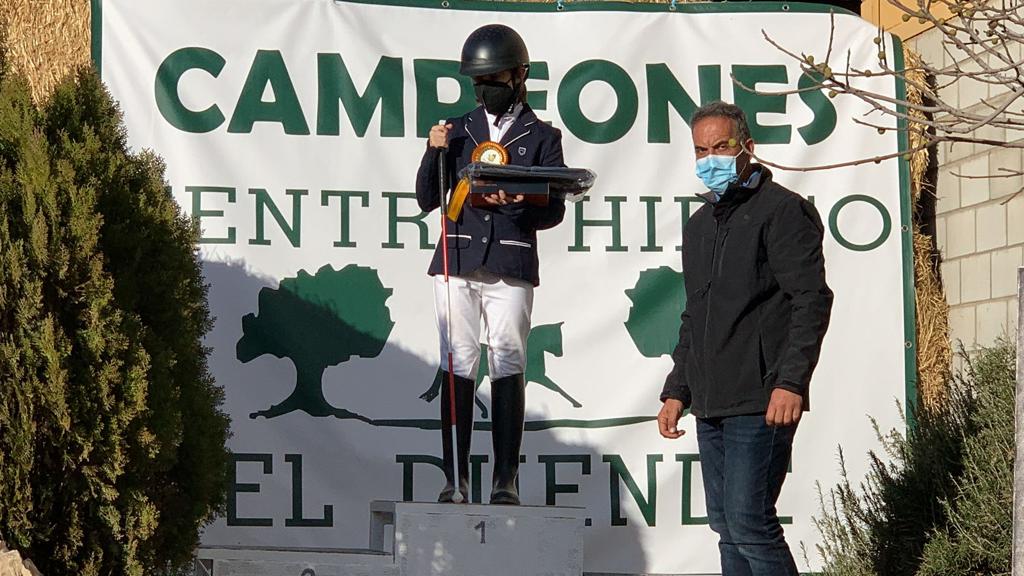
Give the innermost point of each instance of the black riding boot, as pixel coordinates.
(508, 409)
(465, 391)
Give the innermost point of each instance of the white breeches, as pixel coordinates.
(502, 304)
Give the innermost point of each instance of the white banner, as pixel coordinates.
(293, 130)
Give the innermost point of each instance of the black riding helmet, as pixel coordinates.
(493, 48)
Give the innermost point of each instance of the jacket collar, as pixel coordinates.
(736, 194)
(736, 190)
(476, 125)
(522, 126)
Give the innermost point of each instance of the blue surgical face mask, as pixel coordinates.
(717, 172)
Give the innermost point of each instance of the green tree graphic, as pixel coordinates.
(658, 302)
(316, 322)
(544, 339)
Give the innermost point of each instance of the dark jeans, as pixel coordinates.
(743, 462)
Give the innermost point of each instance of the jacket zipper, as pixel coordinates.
(721, 254)
(707, 316)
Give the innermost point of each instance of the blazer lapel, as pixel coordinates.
(476, 126)
(522, 126)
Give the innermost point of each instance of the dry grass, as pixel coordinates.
(934, 354)
(46, 39)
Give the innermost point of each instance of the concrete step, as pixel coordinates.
(429, 539)
(284, 561)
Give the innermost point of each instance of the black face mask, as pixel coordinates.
(497, 97)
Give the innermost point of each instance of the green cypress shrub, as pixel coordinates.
(73, 378)
(151, 255)
(112, 439)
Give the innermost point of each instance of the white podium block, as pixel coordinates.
(478, 540)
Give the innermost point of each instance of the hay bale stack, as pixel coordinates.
(934, 354)
(46, 39)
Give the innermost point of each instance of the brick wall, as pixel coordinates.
(980, 232)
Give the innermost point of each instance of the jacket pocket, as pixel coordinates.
(767, 373)
(766, 361)
(457, 241)
(515, 243)
(699, 293)
(692, 378)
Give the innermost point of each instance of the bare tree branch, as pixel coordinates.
(981, 42)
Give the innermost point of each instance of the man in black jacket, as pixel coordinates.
(757, 308)
(492, 254)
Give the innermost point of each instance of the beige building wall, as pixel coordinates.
(979, 228)
(890, 17)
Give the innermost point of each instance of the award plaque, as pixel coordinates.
(537, 184)
(486, 153)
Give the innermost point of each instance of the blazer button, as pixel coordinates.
(487, 217)
(484, 239)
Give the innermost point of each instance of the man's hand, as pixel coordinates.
(668, 418)
(501, 199)
(784, 408)
(439, 135)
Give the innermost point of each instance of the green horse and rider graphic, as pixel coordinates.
(324, 319)
(544, 339)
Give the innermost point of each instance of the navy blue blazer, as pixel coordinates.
(500, 239)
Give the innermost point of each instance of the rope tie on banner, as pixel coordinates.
(672, 6)
(560, 5)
